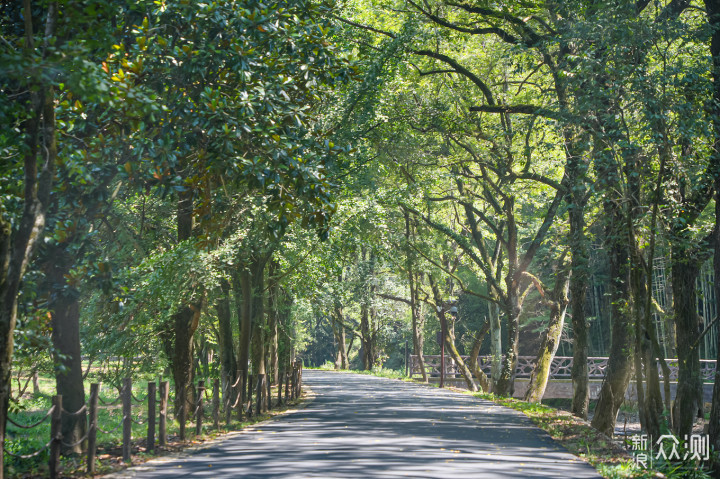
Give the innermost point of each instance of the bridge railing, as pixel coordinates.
(560, 368)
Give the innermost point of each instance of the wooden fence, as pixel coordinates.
(560, 368)
(156, 417)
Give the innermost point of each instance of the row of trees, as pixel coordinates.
(520, 136)
(155, 157)
(216, 187)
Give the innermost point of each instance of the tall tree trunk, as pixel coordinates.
(17, 247)
(367, 330)
(66, 342)
(418, 323)
(619, 370)
(185, 321)
(495, 343)
(273, 305)
(415, 313)
(228, 369)
(713, 13)
(688, 399)
(251, 283)
(578, 283)
(505, 386)
(339, 328)
(558, 307)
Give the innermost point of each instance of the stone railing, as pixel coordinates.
(560, 368)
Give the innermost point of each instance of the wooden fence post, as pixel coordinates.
(92, 428)
(199, 412)
(216, 403)
(162, 440)
(127, 418)
(152, 387)
(55, 436)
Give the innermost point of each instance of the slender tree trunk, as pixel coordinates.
(415, 313)
(225, 338)
(339, 329)
(480, 376)
(688, 400)
(578, 286)
(495, 343)
(450, 338)
(505, 386)
(558, 307)
(273, 305)
(417, 323)
(243, 303)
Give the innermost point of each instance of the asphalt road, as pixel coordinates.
(366, 427)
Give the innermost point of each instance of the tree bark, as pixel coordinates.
(339, 329)
(558, 307)
(225, 339)
(17, 248)
(619, 370)
(480, 376)
(713, 13)
(688, 399)
(450, 337)
(415, 313)
(66, 343)
(505, 386)
(579, 280)
(273, 305)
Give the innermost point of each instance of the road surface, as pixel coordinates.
(367, 427)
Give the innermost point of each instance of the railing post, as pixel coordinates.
(199, 413)
(164, 392)
(152, 387)
(92, 427)
(216, 403)
(55, 436)
(127, 418)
